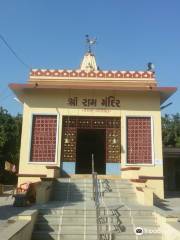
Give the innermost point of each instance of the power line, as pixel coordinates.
(13, 52)
(5, 97)
(3, 91)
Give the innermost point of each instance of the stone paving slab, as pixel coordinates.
(170, 205)
(7, 211)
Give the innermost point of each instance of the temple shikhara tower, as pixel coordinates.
(73, 115)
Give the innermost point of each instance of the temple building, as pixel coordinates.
(72, 116)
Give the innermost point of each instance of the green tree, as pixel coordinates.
(10, 133)
(171, 130)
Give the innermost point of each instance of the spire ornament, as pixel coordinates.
(90, 42)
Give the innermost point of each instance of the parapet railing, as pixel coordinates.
(101, 235)
(103, 219)
(96, 197)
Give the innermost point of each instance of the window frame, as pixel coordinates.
(57, 140)
(152, 141)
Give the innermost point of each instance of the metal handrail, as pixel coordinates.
(96, 195)
(118, 227)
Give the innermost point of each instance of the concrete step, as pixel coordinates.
(39, 235)
(118, 185)
(74, 183)
(138, 221)
(72, 198)
(122, 190)
(80, 210)
(64, 212)
(70, 189)
(81, 182)
(73, 179)
(66, 229)
(127, 220)
(73, 189)
(90, 180)
(73, 215)
(130, 199)
(65, 191)
(129, 229)
(67, 220)
(73, 193)
(81, 228)
(91, 218)
(119, 194)
(74, 186)
(121, 236)
(134, 213)
(43, 235)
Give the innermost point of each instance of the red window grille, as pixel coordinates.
(139, 145)
(43, 143)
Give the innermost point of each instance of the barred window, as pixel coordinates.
(139, 145)
(43, 142)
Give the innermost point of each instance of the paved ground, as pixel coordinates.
(171, 203)
(7, 210)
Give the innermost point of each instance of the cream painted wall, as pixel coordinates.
(132, 104)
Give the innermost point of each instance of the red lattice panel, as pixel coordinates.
(43, 144)
(113, 143)
(139, 146)
(69, 148)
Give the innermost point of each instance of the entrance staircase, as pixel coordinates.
(71, 215)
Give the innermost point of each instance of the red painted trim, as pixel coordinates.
(151, 177)
(106, 74)
(52, 167)
(130, 168)
(138, 180)
(47, 179)
(31, 175)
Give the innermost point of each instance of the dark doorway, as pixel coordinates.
(177, 174)
(90, 141)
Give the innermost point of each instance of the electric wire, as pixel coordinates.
(13, 52)
(3, 91)
(5, 97)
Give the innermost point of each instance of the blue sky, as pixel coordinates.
(50, 34)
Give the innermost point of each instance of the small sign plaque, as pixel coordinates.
(105, 102)
(158, 162)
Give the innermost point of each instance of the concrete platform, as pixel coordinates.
(84, 176)
(8, 211)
